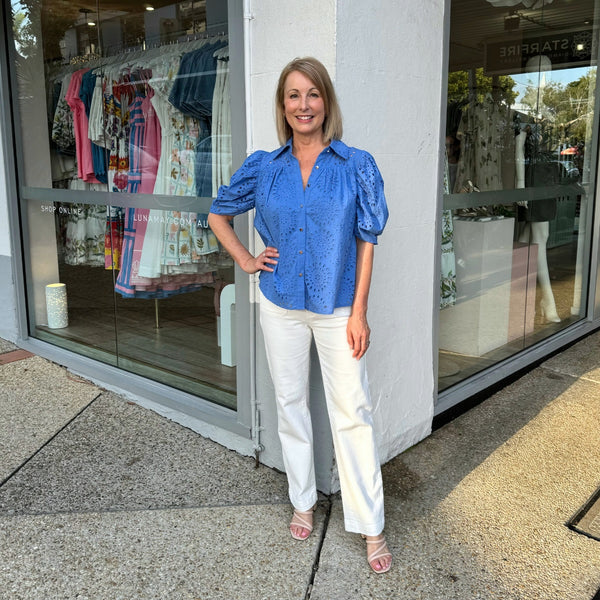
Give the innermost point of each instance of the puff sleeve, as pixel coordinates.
(238, 197)
(371, 207)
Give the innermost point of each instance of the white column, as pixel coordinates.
(389, 79)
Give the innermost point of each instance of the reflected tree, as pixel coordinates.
(40, 25)
(568, 107)
(500, 87)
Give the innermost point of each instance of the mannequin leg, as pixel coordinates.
(524, 231)
(539, 235)
(576, 307)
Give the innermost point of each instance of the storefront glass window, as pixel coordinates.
(521, 138)
(124, 128)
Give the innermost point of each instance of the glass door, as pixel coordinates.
(521, 158)
(125, 136)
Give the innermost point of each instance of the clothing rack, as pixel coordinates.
(146, 54)
(144, 46)
(94, 60)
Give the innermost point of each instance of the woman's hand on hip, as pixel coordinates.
(359, 334)
(262, 261)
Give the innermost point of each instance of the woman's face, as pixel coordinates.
(303, 105)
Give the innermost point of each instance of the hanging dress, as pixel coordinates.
(448, 259)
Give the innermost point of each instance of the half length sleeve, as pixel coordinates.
(371, 207)
(238, 197)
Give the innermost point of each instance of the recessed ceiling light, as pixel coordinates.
(149, 7)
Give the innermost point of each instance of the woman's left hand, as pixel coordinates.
(359, 334)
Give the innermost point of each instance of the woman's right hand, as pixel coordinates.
(262, 261)
(221, 227)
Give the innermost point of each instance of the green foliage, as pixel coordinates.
(501, 87)
(39, 27)
(22, 31)
(566, 109)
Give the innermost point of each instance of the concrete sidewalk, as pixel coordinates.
(101, 499)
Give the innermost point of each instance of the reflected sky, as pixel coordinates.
(562, 76)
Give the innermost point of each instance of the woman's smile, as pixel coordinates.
(303, 105)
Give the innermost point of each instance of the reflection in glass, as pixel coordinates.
(75, 257)
(117, 99)
(520, 163)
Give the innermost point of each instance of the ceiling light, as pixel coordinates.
(149, 7)
(86, 12)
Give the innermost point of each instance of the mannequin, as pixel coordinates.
(536, 232)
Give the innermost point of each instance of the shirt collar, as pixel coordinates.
(336, 145)
(285, 148)
(340, 149)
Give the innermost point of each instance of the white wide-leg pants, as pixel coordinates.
(288, 335)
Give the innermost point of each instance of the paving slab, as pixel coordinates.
(225, 553)
(119, 456)
(580, 360)
(37, 399)
(14, 356)
(479, 509)
(6, 346)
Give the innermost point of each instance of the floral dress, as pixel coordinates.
(63, 134)
(448, 261)
(84, 233)
(482, 133)
(179, 134)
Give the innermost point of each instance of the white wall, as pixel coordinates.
(388, 77)
(386, 62)
(282, 31)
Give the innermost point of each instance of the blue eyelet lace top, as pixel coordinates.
(315, 229)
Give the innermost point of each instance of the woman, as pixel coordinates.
(319, 209)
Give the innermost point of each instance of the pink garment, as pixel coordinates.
(83, 146)
(141, 223)
(151, 153)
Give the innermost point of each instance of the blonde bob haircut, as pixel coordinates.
(315, 71)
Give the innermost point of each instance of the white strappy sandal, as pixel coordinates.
(376, 552)
(301, 519)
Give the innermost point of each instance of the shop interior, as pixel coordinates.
(521, 132)
(137, 103)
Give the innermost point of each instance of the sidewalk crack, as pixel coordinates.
(48, 441)
(317, 560)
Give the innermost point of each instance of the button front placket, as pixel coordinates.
(301, 247)
(304, 202)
